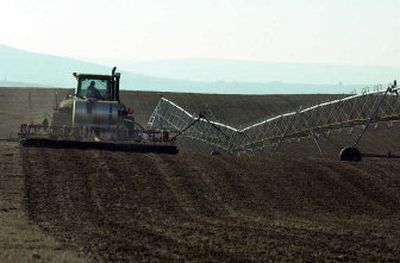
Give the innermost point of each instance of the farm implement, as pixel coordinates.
(94, 118)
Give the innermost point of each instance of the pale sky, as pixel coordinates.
(318, 31)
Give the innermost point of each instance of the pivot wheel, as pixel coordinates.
(350, 153)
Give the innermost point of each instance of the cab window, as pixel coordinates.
(99, 88)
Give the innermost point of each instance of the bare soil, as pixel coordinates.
(20, 239)
(145, 207)
(114, 206)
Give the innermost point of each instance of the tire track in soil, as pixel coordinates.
(191, 192)
(171, 217)
(142, 216)
(54, 190)
(21, 241)
(135, 207)
(90, 216)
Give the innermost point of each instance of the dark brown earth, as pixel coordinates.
(21, 240)
(114, 206)
(134, 207)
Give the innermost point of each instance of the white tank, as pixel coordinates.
(101, 114)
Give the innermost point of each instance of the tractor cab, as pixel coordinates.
(98, 87)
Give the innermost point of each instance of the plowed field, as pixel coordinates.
(135, 207)
(73, 205)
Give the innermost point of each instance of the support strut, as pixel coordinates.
(352, 153)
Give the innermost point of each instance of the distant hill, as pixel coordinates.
(21, 67)
(17, 84)
(259, 71)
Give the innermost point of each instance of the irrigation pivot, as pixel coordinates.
(355, 110)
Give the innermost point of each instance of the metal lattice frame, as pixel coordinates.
(347, 112)
(169, 116)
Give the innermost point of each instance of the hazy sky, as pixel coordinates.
(326, 31)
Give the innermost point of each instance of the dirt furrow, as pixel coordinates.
(121, 206)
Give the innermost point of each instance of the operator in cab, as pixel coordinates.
(92, 91)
